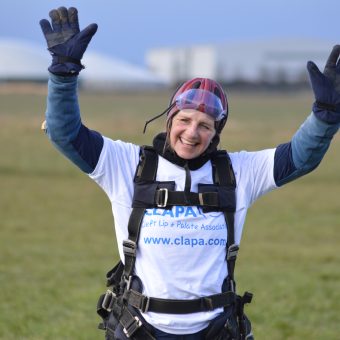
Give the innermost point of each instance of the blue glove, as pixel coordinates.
(326, 88)
(65, 41)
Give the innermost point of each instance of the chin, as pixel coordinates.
(187, 155)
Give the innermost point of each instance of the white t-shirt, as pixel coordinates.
(181, 252)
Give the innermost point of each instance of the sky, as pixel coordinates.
(128, 28)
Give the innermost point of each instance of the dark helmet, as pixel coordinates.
(202, 98)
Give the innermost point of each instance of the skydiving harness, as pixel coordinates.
(120, 307)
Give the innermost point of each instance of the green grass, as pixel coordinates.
(56, 229)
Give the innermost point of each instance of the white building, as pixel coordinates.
(270, 61)
(23, 61)
(26, 61)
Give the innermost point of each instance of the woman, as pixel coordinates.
(186, 213)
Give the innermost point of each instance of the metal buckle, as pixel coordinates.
(232, 285)
(108, 300)
(165, 195)
(132, 327)
(200, 198)
(207, 303)
(145, 304)
(129, 247)
(232, 252)
(128, 282)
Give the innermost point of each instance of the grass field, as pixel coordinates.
(56, 228)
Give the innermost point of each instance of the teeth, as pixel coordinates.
(184, 141)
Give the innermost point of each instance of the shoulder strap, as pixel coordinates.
(148, 164)
(146, 171)
(223, 174)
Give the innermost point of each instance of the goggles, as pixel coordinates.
(203, 101)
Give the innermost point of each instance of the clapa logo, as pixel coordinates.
(180, 211)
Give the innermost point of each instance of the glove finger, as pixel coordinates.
(63, 17)
(45, 27)
(332, 59)
(73, 18)
(56, 22)
(314, 71)
(87, 33)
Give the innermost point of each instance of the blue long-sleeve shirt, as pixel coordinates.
(83, 146)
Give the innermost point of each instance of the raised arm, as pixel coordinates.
(310, 143)
(67, 45)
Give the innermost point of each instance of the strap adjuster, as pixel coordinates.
(108, 300)
(145, 303)
(137, 299)
(132, 327)
(161, 197)
(232, 252)
(207, 304)
(128, 282)
(129, 248)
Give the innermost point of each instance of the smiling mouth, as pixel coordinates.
(188, 143)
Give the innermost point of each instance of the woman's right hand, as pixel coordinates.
(65, 41)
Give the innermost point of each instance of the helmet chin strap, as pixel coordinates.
(160, 115)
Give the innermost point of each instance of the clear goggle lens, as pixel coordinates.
(201, 100)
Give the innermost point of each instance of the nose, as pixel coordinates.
(192, 130)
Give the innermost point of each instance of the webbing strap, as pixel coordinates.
(146, 169)
(172, 306)
(130, 245)
(224, 175)
(132, 323)
(223, 170)
(148, 164)
(164, 197)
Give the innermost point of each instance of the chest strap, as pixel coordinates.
(162, 195)
(217, 199)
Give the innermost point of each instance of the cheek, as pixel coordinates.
(172, 137)
(210, 137)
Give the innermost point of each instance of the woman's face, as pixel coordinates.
(191, 133)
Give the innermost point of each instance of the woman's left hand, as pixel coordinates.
(326, 87)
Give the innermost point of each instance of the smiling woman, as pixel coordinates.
(154, 293)
(191, 133)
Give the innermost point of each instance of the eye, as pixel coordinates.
(184, 120)
(206, 126)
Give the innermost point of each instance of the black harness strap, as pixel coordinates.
(130, 245)
(224, 175)
(131, 324)
(146, 170)
(167, 198)
(157, 305)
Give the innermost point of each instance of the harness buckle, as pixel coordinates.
(161, 198)
(128, 282)
(207, 304)
(232, 286)
(108, 300)
(200, 198)
(232, 252)
(145, 304)
(129, 248)
(132, 326)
